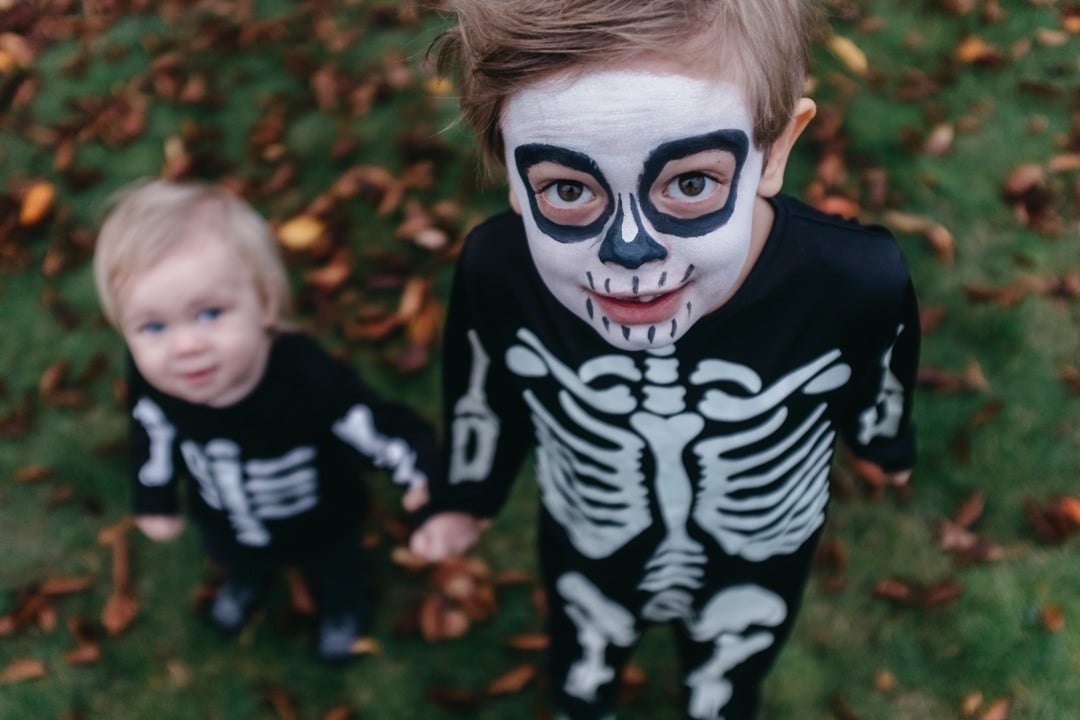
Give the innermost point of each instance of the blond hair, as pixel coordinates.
(499, 47)
(150, 217)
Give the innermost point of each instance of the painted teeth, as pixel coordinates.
(647, 298)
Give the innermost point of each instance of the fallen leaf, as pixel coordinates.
(36, 203)
(281, 702)
(512, 681)
(1053, 618)
(119, 612)
(22, 670)
(884, 681)
(31, 474)
(341, 712)
(970, 509)
(83, 654)
(300, 598)
(454, 699)
(301, 232)
(971, 703)
(65, 585)
(940, 140)
(529, 641)
(998, 710)
(846, 51)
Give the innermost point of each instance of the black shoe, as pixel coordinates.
(233, 605)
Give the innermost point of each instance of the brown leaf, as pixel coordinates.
(441, 619)
(1055, 522)
(54, 377)
(940, 140)
(884, 681)
(22, 670)
(423, 328)
(83, 654)
(341, 712)
(971, 704)
(998, 710)
(31, 474)
(36, 203)
(973, 50)
(930, 318)
(942, 593)
(300, 598)
(65, 585)
(403, 557)
(512, 681)
(970, 509)
(365, 645)
(1053, 618)
(110, 535)
(119, 612)
(846, 51)
(529, 641)
(335, 272)
(282, 703)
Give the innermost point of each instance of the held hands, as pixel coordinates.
(446, 534)
(160, 528)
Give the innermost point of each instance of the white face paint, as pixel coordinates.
(637, 192)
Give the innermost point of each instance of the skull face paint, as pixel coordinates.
(637, 193)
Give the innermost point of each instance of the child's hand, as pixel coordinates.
(876, 476)
(160, 527)
(415, 497)
(446, 534)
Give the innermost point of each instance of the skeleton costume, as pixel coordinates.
(277, 477)
(686, 483)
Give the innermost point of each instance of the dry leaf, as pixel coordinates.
(65, 585)
(119, 612)
(970, 510)
(31, 474)
(21, 670)
(301, 232)
(282, 703)
(341, 712)
(512, 681)
(998, 710)
(406, 558)
(1053, 618)
(846, 51)
(413, 298)
(83, 654)
(36, 203)
(300, 598)
(971, 704)
(529, 641)
(884, 681)
(365, 645)
(940, 140)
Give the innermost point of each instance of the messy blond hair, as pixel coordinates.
(148, 218)
(499, 47)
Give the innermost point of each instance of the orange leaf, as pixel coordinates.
(847, 52)
(301, 232)
(83, 654)
(36, 203)
(65, 585)
(1053, 618)
(512, 681)
(119, 612)
(529, 641)
(998, 710)
(20, 670)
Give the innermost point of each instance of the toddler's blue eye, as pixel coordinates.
(152, 328)
(208, 314)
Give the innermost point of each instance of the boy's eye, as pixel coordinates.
(567, 192)
(152, 328)
(691, 185)
(209, 314)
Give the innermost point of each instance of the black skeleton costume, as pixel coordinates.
(278, 477)
(687, 483)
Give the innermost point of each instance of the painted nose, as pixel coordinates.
(626, 242)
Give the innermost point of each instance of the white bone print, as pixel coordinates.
(600, 622)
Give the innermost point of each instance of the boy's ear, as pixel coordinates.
(514, 201)
(772, 177)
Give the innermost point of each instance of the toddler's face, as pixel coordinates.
(195, 324)
(637, 192)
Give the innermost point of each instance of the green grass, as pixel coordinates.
(169, 665)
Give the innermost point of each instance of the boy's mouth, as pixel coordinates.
(198, 377)
(641, 309)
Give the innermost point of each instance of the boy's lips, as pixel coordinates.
(642, 309)
(198, 377)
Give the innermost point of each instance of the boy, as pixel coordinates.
(679, 342)
(274, 432)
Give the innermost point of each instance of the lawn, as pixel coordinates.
(956, 123)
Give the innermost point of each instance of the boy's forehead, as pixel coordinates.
(619, 107)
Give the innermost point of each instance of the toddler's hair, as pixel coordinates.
(499, 47)
(149, 217)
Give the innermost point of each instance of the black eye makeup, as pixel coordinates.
(687, 186)
(569, 197)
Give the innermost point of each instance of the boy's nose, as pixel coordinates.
(627, 243)
(188, 339)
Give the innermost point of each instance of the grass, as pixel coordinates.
(852, 655)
